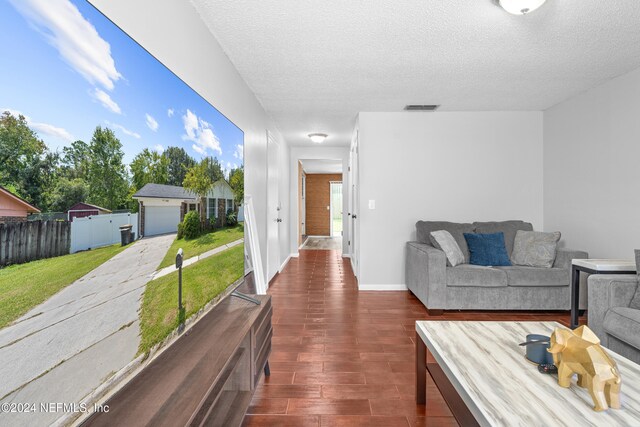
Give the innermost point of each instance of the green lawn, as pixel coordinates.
(24, 286)
(202, 244)
(201, 283)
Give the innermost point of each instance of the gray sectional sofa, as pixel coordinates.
(441, 287)
(614, 312)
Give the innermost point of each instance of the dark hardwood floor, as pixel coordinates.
(342, 357)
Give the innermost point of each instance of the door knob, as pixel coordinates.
(278, 220)
(354, 216)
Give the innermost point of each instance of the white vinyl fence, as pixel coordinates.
(100, 230)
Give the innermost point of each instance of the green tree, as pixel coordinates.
(236, 181)
(199, 182)
(67, 192)
(25, 162)
(214, 168)
(38, 177)
(75, 160)
(108, 184)
(179, 162)
(149, 166)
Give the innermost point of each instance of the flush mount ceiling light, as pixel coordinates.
(317, 137)
(520, 7)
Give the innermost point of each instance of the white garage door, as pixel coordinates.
(161, 219)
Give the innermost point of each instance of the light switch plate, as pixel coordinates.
(372, 204)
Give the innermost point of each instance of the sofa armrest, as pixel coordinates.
(426, 274)
(604, 292)
(564, 257)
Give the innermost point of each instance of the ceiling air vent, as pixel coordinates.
(421, 107)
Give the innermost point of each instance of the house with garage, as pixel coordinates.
(163, 207)
(14, 208)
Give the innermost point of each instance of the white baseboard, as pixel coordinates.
(383, 287)
(284, 264)
(346, 255)
(295, 255)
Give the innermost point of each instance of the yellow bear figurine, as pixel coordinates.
(579, 352)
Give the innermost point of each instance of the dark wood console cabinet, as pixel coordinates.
(205, 378)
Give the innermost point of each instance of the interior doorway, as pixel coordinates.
(335, 189)
(320, 204)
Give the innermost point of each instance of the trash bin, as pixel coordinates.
(125, 234)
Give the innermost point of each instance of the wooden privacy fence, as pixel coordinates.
(31, 240)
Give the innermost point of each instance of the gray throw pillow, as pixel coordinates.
(457, 230)
(535, 248)
(444, 241)
(635, 302)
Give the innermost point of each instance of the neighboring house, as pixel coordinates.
(162, 207)
(81, 210)
(14, 208)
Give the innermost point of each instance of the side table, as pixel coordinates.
(594, 266)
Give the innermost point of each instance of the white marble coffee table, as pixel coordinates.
(594, 266)
(485, 378)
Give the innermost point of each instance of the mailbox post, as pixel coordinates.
(179, 267)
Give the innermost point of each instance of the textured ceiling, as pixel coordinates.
(321, 166)
(315, 64)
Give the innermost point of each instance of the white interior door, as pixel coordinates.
(355, 203)
(273, 208)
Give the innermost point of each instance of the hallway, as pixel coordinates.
(346, 358)
(323, 243)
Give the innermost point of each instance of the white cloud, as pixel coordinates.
(170, 112)
(52, 130)
(239, 152)
(76, 39)
(123, 129)
(43, 128)
(151, 123)
(159, 148)
(199, 149)
(106, 101)
(201, 133)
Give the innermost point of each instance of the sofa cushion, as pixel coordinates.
(444, 241)
(508, 228)
(424, 229)
(624, 324)
(535, 276)
(487, 249)
(476, 276)
(535, 248)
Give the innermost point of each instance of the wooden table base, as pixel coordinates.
(458, 408)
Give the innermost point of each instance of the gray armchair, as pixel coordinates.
(610, 315)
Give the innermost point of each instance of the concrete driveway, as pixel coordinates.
(63, 349)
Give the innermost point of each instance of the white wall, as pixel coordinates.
(174, 33)
(592, 168)
(317, 152)
(452, 166)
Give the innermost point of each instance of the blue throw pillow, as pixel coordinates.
(487, 249)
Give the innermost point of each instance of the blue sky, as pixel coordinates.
(68, 69)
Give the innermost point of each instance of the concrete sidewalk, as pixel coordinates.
(188, 262)
(66, 347)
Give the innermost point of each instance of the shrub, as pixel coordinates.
(213, 221)
(180, 230)
(191, 225)
(232, 219)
